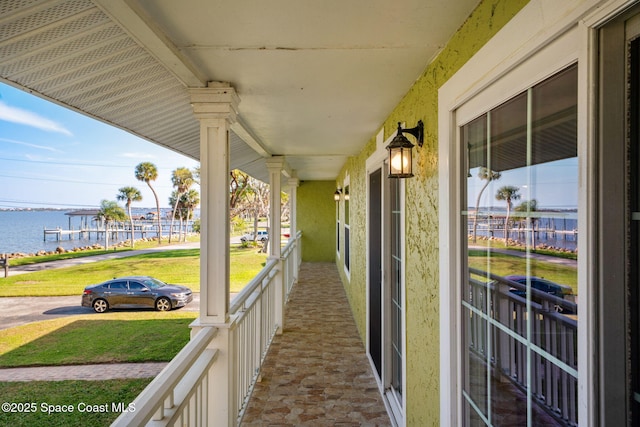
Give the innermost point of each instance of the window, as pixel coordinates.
(519, 338)
(135, 286)
(338, 228)
(396, 308)
(118, 286)
(346, 230)
(386, 333)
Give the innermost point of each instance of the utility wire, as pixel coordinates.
(75, 182)
(73, 163)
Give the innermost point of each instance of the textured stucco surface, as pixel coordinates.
(316, 217)
(421, 206)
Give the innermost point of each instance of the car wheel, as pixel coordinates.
(163, 304)
(100, 306)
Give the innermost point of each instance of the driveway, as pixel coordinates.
(15, 311)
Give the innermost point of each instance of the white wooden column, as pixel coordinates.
(275, 166)
(293, 184)
(216, 109)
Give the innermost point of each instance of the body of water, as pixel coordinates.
(559, 232)
(23, 231)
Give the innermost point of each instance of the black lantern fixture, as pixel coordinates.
(336, 195)
(401, 151)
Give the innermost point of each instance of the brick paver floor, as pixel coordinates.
(316, 373)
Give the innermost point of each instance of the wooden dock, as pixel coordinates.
(142, 228)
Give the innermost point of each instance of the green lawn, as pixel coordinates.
(94, 403)
(126, 336)
(180, 267)
(116, 337)
(108, 338)
(91, 252)
(503, 265)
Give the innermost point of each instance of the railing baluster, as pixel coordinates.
(553, 381)
(179, 395)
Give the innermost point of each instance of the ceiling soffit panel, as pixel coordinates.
(315, 79)
(71, 52)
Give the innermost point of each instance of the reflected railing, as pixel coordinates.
(182, 394)
(540, 355)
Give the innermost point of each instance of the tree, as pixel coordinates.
(110, 212)
(527, 207)
(196, 175)
(185, 206)
(488, 175)
(507, 193)
(182, 180)
(239, 186)
(129, 194)
(147, 172)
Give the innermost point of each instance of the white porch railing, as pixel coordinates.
(183, 393)
(497, 332)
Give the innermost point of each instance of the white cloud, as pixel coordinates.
(24, 117)
(138, 155)
(28, 144)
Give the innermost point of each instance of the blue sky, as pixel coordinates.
(554, 185)
(54, 157)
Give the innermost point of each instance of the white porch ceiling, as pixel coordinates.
(315, 78)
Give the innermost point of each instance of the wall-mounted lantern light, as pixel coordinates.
(346, 193)
(401, 153)
(336, 195)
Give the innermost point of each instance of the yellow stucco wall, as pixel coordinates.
(316, 219)
(422, 256)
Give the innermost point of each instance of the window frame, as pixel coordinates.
(518, 57)
(346, 230)
(396, 405)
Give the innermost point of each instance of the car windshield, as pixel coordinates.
(152, 283)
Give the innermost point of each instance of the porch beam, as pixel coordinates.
(216, 109)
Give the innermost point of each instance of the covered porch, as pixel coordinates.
(315, 372)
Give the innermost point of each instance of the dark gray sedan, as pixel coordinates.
(135, 291)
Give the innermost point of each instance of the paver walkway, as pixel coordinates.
(83, 372)
(316, 373)
(30, 268)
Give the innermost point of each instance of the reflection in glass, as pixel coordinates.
(519, 314)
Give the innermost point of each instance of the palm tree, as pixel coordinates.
(147, 172)
(190, 201)
(182, 180)
(110, 211)
(129, 194)
(527, 207)
(507, 193)
(488, 175)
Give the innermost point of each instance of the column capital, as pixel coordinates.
(275, 163)
(293, 182)
(217, 101)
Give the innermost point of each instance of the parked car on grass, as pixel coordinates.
(262, 236)
(135, 291)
